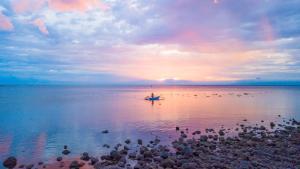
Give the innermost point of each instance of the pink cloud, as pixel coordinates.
(21, 6)
(267, 29)
(41, 25)
(75, 5)
(5, 23)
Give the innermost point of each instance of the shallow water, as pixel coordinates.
(36, 121)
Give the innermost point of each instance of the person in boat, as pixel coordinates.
(152, 95)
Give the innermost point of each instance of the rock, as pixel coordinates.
(127, 141)
(116, 156)
(137, 166)
(30, 166)
(10, 162)
(94, 160)
(189, 165)
(164, 155)
(196, 132)
(85, 156)
(167, 163)
(140, 141)
(66, 152)
(105, 131)
(147, 154)
(203, 138)
(272, 124)
(22, 166)
(40, 163)
(177, 128)
(132, 155)
(106, 146)
(221, 133)
(59, 159)
(74, 165)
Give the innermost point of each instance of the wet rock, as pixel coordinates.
(272, 125)
(40, 163)
(221, 133)
(116, 156)
(196, 132)
(164, 155)
(94, 160)
(85, 156)
(66, 152)
(177, 128)
(30, 166)
(22, 166)
(167, 163)
(140, 141)
(147, 154)
(74, 165)
(127, 141)
(106, 146)
(59, 159)
(189, 165)
(132, 155)
(105, 131)
(10, 162)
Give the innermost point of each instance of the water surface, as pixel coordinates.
(36, 121)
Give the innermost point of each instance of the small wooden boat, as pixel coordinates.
(152, 98)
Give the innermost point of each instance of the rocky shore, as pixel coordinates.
(271, 146)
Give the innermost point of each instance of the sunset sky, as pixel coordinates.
(116, 41)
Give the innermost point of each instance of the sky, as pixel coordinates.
(136, 41)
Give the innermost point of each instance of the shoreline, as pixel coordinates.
(273, 146)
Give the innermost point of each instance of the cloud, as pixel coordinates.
(41, 25)
(5, 23)
(76, 5)
(23, 6)
(190, 39)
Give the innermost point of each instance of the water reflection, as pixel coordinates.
(35, 122)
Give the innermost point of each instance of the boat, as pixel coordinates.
(152, 98)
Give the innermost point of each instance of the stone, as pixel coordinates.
(105, 131)
(132, 155)
(94, 160)
(115, 155)
(59, 159)
(66, 152)
(85, 156)
(140, 141)
(127, 141)
(10, 162)
(167, 163)
(30, 166)
(74, 165)
(189, 165)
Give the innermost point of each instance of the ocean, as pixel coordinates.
(37, 121)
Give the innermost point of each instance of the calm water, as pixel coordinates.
(35, 122)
